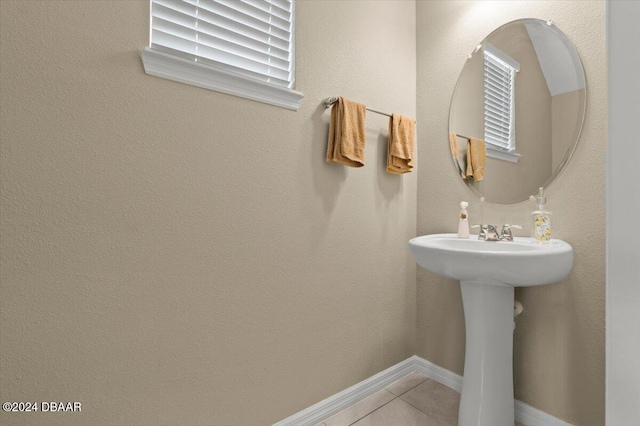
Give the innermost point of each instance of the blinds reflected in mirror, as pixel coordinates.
(499, 98)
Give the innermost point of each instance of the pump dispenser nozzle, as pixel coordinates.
(541, 199)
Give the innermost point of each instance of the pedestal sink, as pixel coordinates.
(488, 273)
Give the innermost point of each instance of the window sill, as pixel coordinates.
(498, 154)
(167, 66)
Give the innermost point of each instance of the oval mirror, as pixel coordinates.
(517, 111)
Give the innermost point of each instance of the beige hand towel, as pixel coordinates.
(401, 144)
(346, 133)
(476, 156)
(458, 157)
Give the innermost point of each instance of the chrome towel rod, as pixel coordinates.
(332, 100)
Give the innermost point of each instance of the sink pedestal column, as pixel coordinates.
(487, 389)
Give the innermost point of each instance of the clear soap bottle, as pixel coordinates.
(541, 219)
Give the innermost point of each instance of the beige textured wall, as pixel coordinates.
(559, 340)
(466, 115)
(565, 108)
(172, 255)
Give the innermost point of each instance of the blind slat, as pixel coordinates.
(233, 55)
(243, 13)
(250, 37)
(185, 18)
(497, 122)
(498, 102)
(499, 136)
(179, 6)
(496, 84)
(497, 74)
(241, 23)
(219, 65)
(173, 41)
(497, 140)
(497, 68)
(498, 99)
(207, 19)
(498, 130)
(285, 5)
(271, 8)
(212, 42)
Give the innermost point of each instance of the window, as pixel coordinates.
(240, 47)
(499, 104)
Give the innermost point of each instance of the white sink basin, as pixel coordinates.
(519, 263)
(488, 272)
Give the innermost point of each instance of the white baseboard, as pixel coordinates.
(338, 402)
(439, 374)
(529, 416)
(525, 414)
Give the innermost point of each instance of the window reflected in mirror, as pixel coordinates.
(522, 93)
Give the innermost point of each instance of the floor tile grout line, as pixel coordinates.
(368, 414)
(398, 396)
(426, 414)
(410, 405)
(358, 402)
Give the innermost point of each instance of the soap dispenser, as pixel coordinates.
(541, 219)
(463, 224)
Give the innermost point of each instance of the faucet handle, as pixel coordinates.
(487, 232)
(508, 226)
(506, 235)
(483, 230)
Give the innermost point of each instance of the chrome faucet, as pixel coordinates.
(506, 235)
(487, 232)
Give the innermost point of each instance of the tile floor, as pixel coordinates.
(411, 401)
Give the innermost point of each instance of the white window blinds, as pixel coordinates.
(252, 38)
(499, 99)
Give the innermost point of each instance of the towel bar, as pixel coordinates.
(332, 100)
